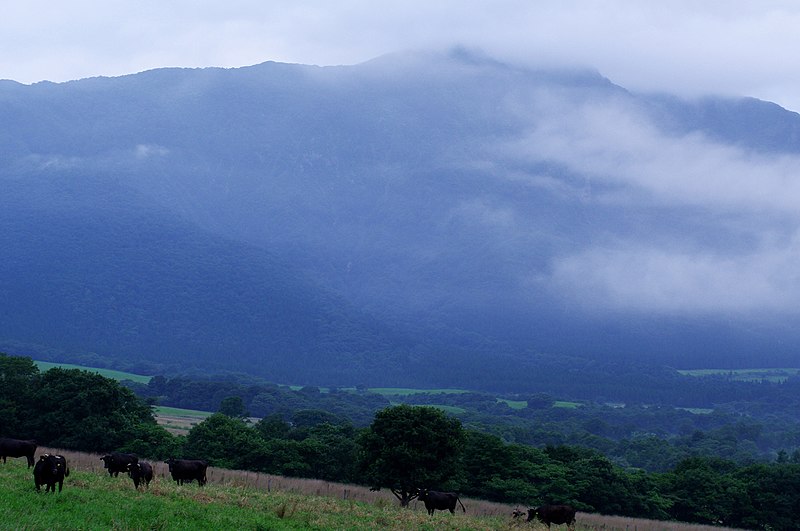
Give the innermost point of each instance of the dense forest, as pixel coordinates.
(83, 411)
(743, 427)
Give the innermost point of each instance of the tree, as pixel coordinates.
(82, 410)
(17, 377)
(407, 448)
(233, 406)
(224, 442)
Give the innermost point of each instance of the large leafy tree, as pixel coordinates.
(17, 376)
(84, 411)
(408, 448)
(224, 442)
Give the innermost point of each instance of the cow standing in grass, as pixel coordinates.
(443, 501)
(554, 514)
(117, 462)
(140, 472)
(49, 470)
(17, 448)
(187, 470)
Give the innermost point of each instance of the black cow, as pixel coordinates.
(116, 462)
(187, 470)
(440, 500)
(140, 472)
(17, 448)
(49, 470)
(554, 514)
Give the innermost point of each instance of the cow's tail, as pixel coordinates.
(462, 505)
(66, 471)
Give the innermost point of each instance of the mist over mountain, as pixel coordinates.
(436, 219)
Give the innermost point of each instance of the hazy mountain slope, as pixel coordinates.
(453, 208)
(120, 277)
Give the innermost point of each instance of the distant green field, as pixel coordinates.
(697, 410)
(179, 412)
(108, 373)
(514, 404)
(403, 391)
(567, 405)
(746, 375)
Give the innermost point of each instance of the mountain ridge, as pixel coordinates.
(426, 197)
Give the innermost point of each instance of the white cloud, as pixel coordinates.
(726, 192)
(618, 147)
(145, 151)
(675, 281)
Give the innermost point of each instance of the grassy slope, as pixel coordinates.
(91, 500)
(108, 373)
(241, 500)
(181, 412)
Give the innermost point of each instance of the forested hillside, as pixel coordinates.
(435, 219)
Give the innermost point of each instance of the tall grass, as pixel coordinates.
(243, 500)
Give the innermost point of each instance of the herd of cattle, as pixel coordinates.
(51, 469)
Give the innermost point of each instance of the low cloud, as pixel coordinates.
(673, 281)
(146, 151)
(727, 193)
(617, 146)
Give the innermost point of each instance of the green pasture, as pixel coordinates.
(108, 373)
(405, 391)
(746, 375)
(96, 501)
(514, 404)
(180, 412)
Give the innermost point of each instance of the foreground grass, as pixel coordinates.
(92, 500)
(243, 501)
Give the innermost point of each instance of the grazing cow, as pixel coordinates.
(187, 470)
(516, 513)
(49, 470)
(140, 472)
(554, 514)
(440, 500)
(17, 448)
(116, 462)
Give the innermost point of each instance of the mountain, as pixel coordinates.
(422, 218)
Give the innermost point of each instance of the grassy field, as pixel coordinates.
(108, 373)
(514, 404)
(244, 500)
(179, 421)
(180, 412)
(404, 391)
(746, 375)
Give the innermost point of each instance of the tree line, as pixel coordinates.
(652, 437)
(404, 447)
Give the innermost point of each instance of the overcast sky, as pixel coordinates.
(689, 47)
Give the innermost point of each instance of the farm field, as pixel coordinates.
(108, 373)
(746, 375)
(240, 500)
(179, 421)
(400, 391)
